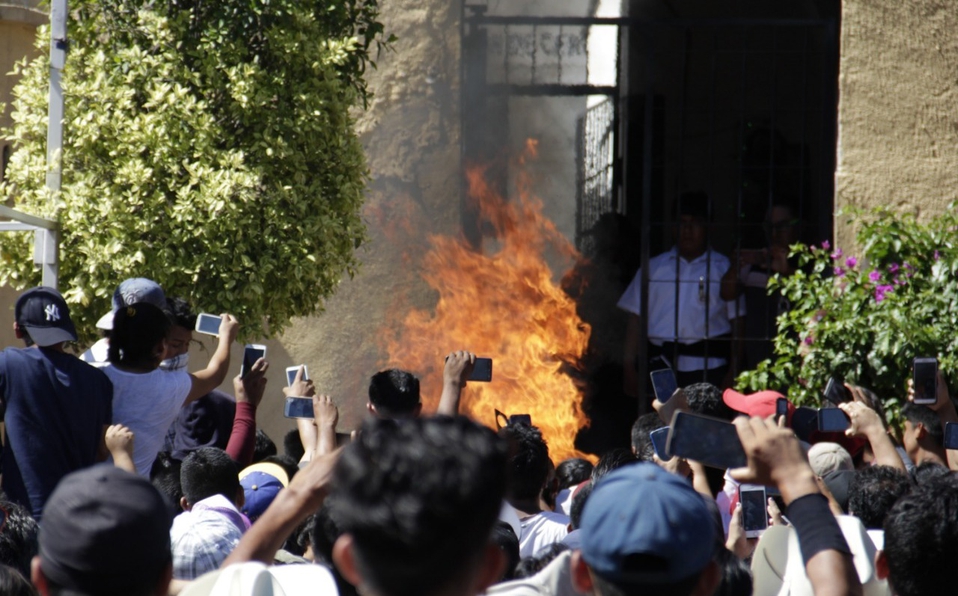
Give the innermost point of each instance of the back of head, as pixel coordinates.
(165, 477)
(873, 492)
(921, 539)
(695, 203)
(918, 414)
(529, 463)
(206, 472)
(706, 398)
(18, 538)
(137, 337)
(105, 531)
(293, 445)
(579, 500)
(612, 460)
(181, 313)
(641, 442)
(394, 393)
(14, 583)
(573, 471)
(504, 537)
(401, 489)
(263, 447)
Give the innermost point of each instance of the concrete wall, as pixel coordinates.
(898, 107)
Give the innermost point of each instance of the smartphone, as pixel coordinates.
(951, 435)
(754, 509)
(482, 371)
(525, 419)
(781, 409)
(707, 440)
(664, 384)
(251, 354)
(208, 324)
(926, 380)
(832, 420)
(660, 438)
(836, 392)
(291, 374)
(298, 407)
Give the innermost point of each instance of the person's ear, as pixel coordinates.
(709, 580)
(371, 409)
(184, 504)
(920, 431)
(37, 578)
(344, 557)
(580, 574)
(492, 566)
(17, 331)
(881, 565)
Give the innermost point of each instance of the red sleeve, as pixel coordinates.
(243, 437)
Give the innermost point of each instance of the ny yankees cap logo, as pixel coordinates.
(51, 312)
(44, 315)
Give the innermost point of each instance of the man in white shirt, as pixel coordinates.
(690, 327)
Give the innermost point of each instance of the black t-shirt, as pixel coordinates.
(55, 408)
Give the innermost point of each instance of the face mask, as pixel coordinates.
(176, 363)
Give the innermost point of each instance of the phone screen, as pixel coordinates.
(781, 409)
(482, 371)
(251, 354)
(525, 419)
(704, 439)
(926, 380)
(660, 437)
(291, 374)
(832, 420)
(754, 510)
(664, 384)
(835, 392)
(951, 435)
(208, 324)
(298, 407)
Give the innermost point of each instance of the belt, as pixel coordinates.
(712, 347)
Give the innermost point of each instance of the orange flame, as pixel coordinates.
(504, 305)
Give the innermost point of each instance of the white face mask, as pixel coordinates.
(176, 363)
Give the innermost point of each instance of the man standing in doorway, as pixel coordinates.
(690, 327)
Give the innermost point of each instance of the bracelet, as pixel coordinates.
(817, 527)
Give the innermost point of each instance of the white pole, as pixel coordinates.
(46, 242)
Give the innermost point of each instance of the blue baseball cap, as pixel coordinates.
(44, 314)
(261, 483)
(640, 509)
(130, 291)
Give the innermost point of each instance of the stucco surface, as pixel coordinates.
(898, 107)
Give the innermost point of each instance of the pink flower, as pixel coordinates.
(850, 262)
(893, 268)
(882, 291)
(839, 272)
(937, 256)
(837, 254)
(808, 340)
(826, 245)
(874, 275)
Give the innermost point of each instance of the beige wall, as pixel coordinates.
(898, 110)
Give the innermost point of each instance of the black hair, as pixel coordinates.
(400, 487)
(293, 445)
(25, 336)
(529, 463)
(578, 505)
(695, 203)
(927, 471)
(573, 471)
(918, 414)
(289, 465)
(641, 429)
(736, 576)
(683, 587)
(323, 533)
(532, 565)
(18, 539)
(612, 460)
(394, 393)
(137, 331)
(921, 539)
(206, 472)
(13, 582)
(263, 447)
(873, 491)
(165, 478)
(504, 537)
(180, 313)
(706, 398)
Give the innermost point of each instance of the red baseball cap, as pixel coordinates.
(761, 404)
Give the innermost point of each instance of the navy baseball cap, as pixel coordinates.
(130, 291)
(44, 314)
(643, 525)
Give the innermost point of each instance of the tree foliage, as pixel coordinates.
(207, 145)
(864, 317)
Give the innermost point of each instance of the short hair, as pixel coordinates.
(180, 313)
(323, 533)
(165, 478)
(206, 472)
(532, 565)
(504, 537)
(573, 471)
(394, 392)
(528, 467)
(612, 460)
(400, 487)
(137, 330)
(736, 575)
(578, 504)
(18, 539)
(263, 446)
(695, 203)
(682, 587)
(641, 442)
(918, 414)
(921, 539)
(289, 465)
(13, 582)
(293, 445)
(873, 491)
(706, 399)
(927, 471)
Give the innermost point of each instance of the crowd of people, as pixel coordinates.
(124, 474)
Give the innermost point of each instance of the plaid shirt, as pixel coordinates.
(203, 537)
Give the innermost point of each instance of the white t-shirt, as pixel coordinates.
(541, 530)
(698, 283)
(147, 403)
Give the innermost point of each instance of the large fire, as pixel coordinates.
(503, 303)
